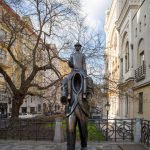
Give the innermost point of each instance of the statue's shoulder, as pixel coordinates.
(71, 54)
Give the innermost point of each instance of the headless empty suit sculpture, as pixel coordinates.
(77, 91)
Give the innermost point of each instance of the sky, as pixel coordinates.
(95, 12)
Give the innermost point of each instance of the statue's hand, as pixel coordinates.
(63, 100)
(70, 64)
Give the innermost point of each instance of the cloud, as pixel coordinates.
(95, 12)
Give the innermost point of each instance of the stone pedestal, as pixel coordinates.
(137, 135)
(58, 137)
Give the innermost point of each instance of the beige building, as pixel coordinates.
(127, 57)
(32, 104)
(112, 60)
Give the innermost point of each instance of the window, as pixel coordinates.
(142, 58)
(24, 109)
(136, 32)
(6, 17)
(145, 20)
(2, 56)
(126, 105)
(140, 27)
(127, 57)
(32, 110)
(140, 102)
(39, 107)
(141, 54)
(3, 35)
(121, 67)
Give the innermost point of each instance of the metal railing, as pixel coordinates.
(145, 132)
(118, 129)
(140, 72)
(98, 129)
(27, 129)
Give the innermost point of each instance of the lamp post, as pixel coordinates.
(107, 107)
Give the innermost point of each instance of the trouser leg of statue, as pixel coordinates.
(71, 131)
(77, 117)
(82, 124)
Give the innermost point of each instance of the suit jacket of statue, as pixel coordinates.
(78, 101)
(77, 61)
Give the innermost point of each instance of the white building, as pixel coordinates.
(127, 41)
(141, 58)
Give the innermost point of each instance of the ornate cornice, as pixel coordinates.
(129, 4)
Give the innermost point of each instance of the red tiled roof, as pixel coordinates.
(16, 16)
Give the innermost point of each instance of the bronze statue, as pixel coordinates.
(77, 90)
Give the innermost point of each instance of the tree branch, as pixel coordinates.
(45, 87)
(8, 80)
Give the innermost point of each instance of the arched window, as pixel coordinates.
(141, 55)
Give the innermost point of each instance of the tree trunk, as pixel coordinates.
(16, 103)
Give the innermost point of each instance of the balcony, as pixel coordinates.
(140, 73)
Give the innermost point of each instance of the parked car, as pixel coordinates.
(96, 116)
(25, 115)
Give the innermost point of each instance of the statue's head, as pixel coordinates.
(77, 46)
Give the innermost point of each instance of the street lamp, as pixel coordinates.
(107, 107)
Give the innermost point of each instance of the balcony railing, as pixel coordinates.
(140, 72)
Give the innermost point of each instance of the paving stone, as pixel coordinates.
(46, 145)
(132, 147)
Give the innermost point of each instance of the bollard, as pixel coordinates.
(137, 134)
(58, 137)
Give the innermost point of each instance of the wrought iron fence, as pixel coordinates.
(145, 132)
(98, 129)
(27, 129)
(116, 129)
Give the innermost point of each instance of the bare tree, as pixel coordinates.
(26, 43)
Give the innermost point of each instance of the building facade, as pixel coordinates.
(31, 104)
(130, 21)
(112, 60)
(141, 55)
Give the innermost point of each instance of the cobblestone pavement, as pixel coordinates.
(46, 145)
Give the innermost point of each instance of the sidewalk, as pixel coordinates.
(132, 147)
(46, 145)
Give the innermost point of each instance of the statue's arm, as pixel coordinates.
(70, 62)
